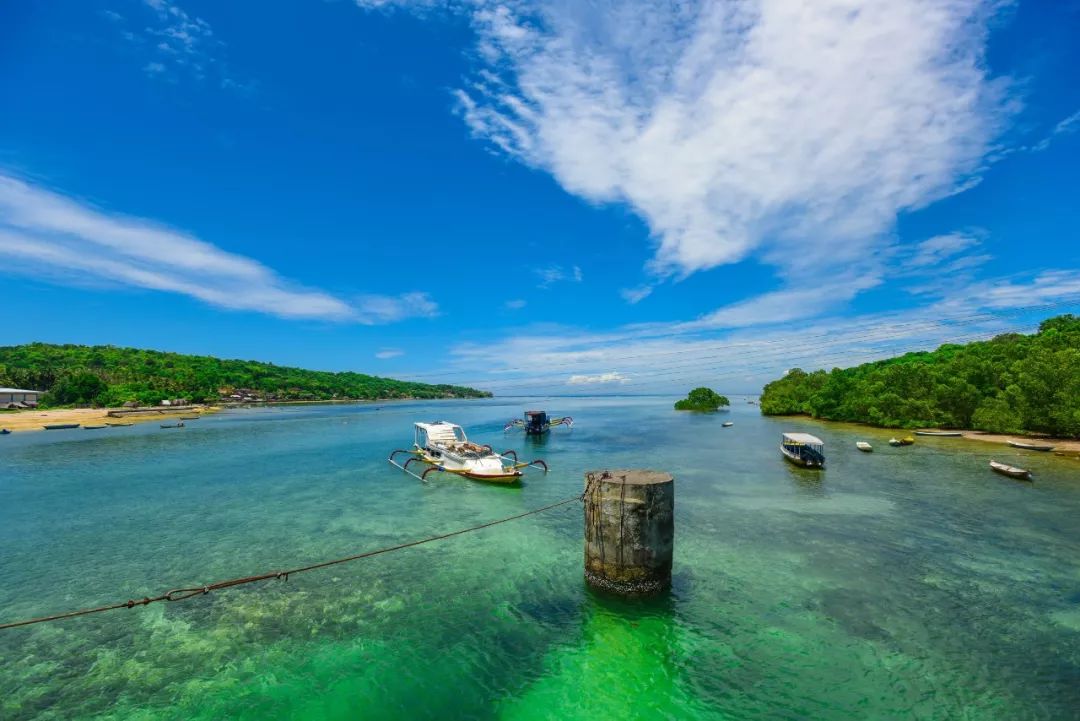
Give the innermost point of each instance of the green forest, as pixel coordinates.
(1011, 384)
(107, 376)
(702, 399)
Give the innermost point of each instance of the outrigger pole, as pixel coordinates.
(406, 466)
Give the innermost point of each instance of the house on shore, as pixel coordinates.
(18, 398)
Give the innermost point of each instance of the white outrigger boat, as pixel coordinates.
(444, 447)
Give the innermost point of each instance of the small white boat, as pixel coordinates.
(727, 424)
(803, 449)
(895, 442)
(941, 434)
(1030, 446)
(864, 446)
(444, 447)
(1011, 471)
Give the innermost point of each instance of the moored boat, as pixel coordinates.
(907, 441)
(1011, 471)
(443, 446)
(4, 431)
(727, 424)
(864, 446)
(60, 426)
(94, 428)
(173, 425)
(803, 449)
(537, 423)
(1030, 446)
(119, 425)
(941, 434)
(190, 418)
(895, 442)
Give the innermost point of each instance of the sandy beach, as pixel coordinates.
(1061, 446)
(35, 420)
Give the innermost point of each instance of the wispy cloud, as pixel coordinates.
(516, 304)
(379, 309)
(934, 251)
(789, 130)
(1069, 125)
(551, 274)
(387, 353)
(601, 379)
(44, 231)
(175, 44)
(633, 296)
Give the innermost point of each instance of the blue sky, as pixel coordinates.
(539, 196)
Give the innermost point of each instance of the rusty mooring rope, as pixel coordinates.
(181, 594)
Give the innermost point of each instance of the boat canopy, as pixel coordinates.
(441, 432)
(803, 439)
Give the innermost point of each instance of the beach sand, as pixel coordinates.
(1064, 446)
(34, 420)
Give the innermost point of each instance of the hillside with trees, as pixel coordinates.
(110, 376)
(1012, 384)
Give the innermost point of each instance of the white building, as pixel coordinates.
(18, 395)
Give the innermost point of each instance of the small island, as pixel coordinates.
(702, 399)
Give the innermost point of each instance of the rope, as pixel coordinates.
(181, 594)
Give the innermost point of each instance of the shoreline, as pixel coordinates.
(35, 419)
(1065, 447)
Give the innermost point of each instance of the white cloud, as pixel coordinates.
(551, 274)
(790, 130)
(379, 309)
(934, 251)
(516, 304)
(633, 296)
(43, 232)
(603, 378)
(1069, 125)
(387, 353)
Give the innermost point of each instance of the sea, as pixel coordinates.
(907, 583)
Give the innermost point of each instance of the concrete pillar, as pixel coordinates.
(629, 530)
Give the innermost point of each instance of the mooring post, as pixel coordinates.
(629, 530)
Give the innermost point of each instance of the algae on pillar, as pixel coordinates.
(629, 530)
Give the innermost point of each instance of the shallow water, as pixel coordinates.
(907, 583)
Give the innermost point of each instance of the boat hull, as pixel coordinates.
(1019, 474)
(940, 434)
(1030, 446)
(801, 463)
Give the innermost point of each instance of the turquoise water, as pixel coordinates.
(907, 583)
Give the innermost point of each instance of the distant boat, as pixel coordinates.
(864, 446)
(173, 425)
(93, 428)
(943, 434)
(907, 441)
(1030, 446)
(119, 425)
(803, 449)
(4, 431)
(190, 418)
(727, 424)
(900, 442)
(60, 426)
(1011, 471)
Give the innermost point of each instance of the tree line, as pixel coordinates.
(107, 376)
(1013, 383)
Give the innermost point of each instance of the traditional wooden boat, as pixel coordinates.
(94, 428)
(444, 447)
(803, 449)
(190, 418)
(60, 426)
(895, 442)
(537, 423)
(942, 434)
(1011, 471)
(864, 446)
(119, 425)
(173, 425)
(727, 424)
(907, 441)
(1030, 446)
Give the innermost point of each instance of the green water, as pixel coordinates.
(907, 583)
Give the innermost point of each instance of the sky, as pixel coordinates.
(546, 196)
